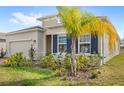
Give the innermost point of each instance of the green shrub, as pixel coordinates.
(60, 72)
(95, 60)
(48, 61)
(66, 62)
(83, 62)
(7, 61)
(16, 59)
(63, 65)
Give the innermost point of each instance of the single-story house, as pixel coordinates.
(122, 44)
(51, 37)
(21, 41)
(2, 42)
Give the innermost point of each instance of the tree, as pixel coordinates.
(77, 23)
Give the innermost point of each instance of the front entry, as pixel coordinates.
(48, 43)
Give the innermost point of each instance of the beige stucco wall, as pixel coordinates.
(3, 41)
(41, 43)
(107, 54)
(2, 35)
(2, 45)
(22, 37)
(50, 22)
(55, 30)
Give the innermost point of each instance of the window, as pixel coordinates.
(62, 44)
(85, 38)
(85, 48)
(85, 44)
(58, 20)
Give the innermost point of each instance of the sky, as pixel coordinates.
(13, 18)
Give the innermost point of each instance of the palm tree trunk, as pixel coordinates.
(73, 57)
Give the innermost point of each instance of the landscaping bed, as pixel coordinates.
(112, 73)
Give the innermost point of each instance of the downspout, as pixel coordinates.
(102, 51)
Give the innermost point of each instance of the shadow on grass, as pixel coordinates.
(36, 70)
(27, 82)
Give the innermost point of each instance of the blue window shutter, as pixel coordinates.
(94, 44)
(54, 43)
(77, 45)
(69, 43)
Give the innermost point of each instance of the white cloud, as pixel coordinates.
(23, 19)
(12, 20)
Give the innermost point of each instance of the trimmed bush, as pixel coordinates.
(60, 72)
(95, 60)
(65, 65)
(48, 61)
(16, 60)
(83, 63)
(66, 62)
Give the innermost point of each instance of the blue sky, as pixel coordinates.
(18, 17)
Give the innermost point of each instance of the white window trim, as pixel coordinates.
(59, 20)
(59, 35)
(84, 43)
(52, 43)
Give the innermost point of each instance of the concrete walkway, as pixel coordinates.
(1, 61)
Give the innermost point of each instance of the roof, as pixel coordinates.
(2, 35)
(104, 18)
(48, 16)
(34, 28)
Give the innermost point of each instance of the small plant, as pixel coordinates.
(7, 62)
(60, 72)
(16, 60)
(83, 62)
(48, 61)
(66, 62)
(31, 53)
(65, 65)
(95, 60)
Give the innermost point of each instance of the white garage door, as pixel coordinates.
(20, 46)
(3, 45)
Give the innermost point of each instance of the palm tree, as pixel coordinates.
(77, 23)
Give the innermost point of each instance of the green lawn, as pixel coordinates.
(112, 73)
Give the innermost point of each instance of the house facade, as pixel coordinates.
(2, 42)
(122, 44)
(51, 37)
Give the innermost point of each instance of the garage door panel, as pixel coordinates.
(21, 46)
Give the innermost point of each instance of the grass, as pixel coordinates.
(112, 73)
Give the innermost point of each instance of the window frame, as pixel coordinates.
(61, 35)
(79, 43)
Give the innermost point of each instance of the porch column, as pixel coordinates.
(101, 51)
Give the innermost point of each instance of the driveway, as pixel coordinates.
(1, 61)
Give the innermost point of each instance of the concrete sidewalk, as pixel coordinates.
(1, 61)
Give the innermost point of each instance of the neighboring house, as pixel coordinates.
(21, 41)
(51, 37)
(2, 42)
(122, 44)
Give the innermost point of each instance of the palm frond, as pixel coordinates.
(79, 23)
